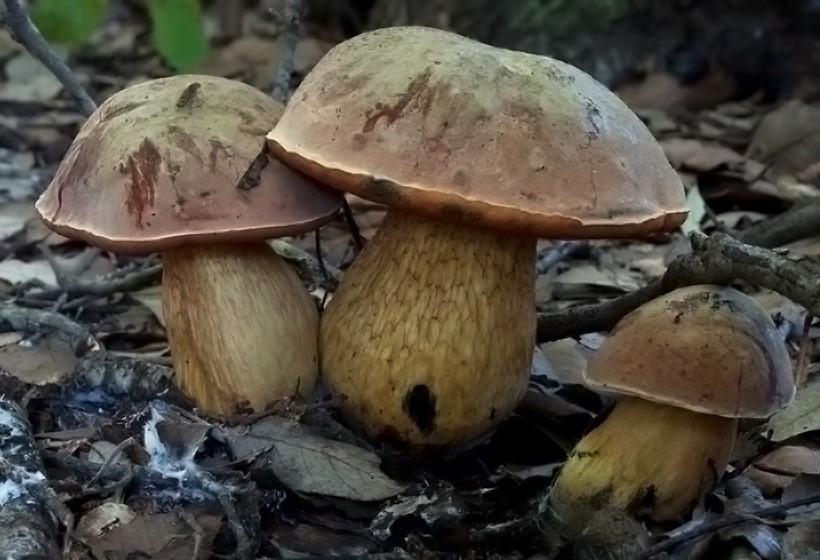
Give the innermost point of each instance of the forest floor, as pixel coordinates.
(83, 346)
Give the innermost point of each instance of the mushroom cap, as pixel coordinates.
(161, 164)
(709, 349)
(431, 122)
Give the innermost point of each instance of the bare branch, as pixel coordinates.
(26, 33)
(798, 223)
(285, 47)
(716, 259)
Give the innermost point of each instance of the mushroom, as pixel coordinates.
(688, 365)
(477, 151)
(179, 166)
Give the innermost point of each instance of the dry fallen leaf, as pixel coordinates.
(163, 536)
(307, 462)
(697, 211)
(802, 542)
(788, 138)
(585, 280)
(568, 359)
(28, 80)
(151, 298)
(15, 271)
(48, 360)
(101, 519)
(777, 469)
(801, 416)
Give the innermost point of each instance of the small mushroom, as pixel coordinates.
(477, 151)
(179, 166)
(688, 365)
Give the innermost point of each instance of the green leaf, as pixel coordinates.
(179, 33)
(68, 22)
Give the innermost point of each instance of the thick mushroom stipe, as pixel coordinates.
(646, 458)
(225, 306)
(428, 312)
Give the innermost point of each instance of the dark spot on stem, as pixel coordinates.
(420, 405)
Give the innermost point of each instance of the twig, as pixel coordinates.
(13, 317)
(112, 456)
(705, 529)
(797, 223)
(30, 508)
(352, 225)
(123, 281)
(285, 47)
(308, 264)
(718, 259)
(801, 367)
(556, 254)
(26, 33)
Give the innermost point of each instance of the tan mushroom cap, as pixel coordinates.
(429, 121)
(709, 349)
(158, 165)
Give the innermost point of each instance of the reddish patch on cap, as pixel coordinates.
(142, 168)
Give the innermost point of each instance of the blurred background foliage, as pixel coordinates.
(761, 45)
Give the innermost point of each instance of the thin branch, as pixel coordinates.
(17, 318)
(285, 48)
(24, 31)
(797, 223)
(716, 259)
(776, 510)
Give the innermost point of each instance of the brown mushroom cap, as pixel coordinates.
(709, 349)
(429, 121)
(158, 165)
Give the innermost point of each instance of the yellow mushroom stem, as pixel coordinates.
(645, 458)
(241, 325)
(430, 335)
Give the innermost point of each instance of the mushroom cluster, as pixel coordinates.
(179, 166)
(687, 365)
(477, 151)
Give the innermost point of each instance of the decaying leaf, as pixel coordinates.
(307, 462)
(567, 359)
(801, 416)
(585, 280)
(777, 469)
(163, 536)
(788, 138)
(103, 518)
(28, 80)
(802, 542)
(16, 271)
(151, 298)
(439, 506)
(697, 211)
(46, 360)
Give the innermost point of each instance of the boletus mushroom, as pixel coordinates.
(687, 365)
(477, 151)
(179, 166)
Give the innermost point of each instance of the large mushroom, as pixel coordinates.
(179, 166)
(477, 151)
(687, 365)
